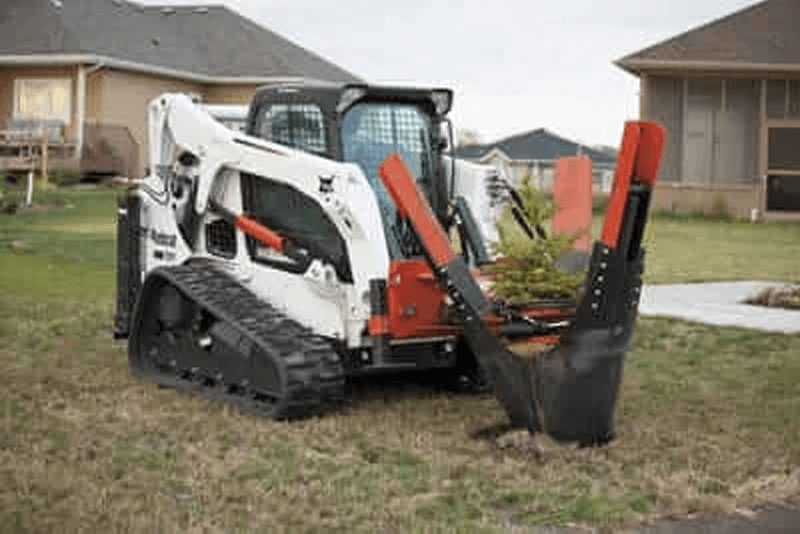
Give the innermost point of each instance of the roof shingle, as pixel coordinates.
(206, 40)
(538, 144)
(764, 33)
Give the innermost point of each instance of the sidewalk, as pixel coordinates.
(714, 303)
(719, 304)
(768, 520)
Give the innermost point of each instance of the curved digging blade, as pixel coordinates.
(593, 348)
(570, 391)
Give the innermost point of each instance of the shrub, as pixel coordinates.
(719, 209)
(63, 177)
(526, 269)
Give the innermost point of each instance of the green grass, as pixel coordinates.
(692, 249)
(707, 418)
(703, 250)
(71, 225)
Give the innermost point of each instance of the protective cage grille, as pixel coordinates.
(400, 127)
(221, 239)
(296, 125)
(372, 131)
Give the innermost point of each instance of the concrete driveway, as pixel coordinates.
(719, 304)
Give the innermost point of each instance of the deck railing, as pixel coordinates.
(107, 149)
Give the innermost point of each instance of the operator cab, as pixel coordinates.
(363, 124)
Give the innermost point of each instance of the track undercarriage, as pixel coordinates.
(351, 271)
(196, 328)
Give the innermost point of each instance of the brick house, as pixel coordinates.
(84, 70)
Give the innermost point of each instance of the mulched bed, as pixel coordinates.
(787, 297)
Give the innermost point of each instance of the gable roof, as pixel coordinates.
(760, 37)
(207, 43)
(537, 144)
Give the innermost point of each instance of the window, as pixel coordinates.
(297, 125)
(783, 153)
(297, 217)
(783, 193)
(372, 131)
(43, 99)
(783, 99)
(382, 128)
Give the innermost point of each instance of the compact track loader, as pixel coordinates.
(267, 267)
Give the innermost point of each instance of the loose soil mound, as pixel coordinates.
(787, 297)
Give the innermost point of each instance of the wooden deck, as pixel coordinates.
(106, 150)
(21, 154)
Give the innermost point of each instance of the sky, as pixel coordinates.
(514, 65)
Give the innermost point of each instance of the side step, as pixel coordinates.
(219, 338)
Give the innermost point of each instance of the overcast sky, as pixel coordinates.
(514, 65)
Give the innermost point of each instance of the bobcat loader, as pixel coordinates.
(266, 268)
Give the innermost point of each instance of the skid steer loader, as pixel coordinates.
(267, 267)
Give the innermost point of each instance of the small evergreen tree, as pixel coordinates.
(527, 267)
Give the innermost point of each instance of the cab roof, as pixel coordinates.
(341, 96)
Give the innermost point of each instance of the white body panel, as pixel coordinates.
(473, 182)
(316, 298)
(233, 116)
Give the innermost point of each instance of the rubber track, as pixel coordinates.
(315, 375)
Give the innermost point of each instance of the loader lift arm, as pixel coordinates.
(568, 391)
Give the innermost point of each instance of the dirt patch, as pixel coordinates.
(787, 297)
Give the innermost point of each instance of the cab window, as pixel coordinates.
(298, 217)
(299, 126)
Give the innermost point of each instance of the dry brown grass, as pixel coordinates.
(707, 423)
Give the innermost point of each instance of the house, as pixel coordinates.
(83, 71)
(535, 153)
(728, 94)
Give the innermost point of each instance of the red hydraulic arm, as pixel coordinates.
(570, 391)
(413, 206)
(637, 162)
(253, 228)
(260, 233)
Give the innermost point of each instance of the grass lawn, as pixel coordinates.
(707, 417)
(694, 250)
